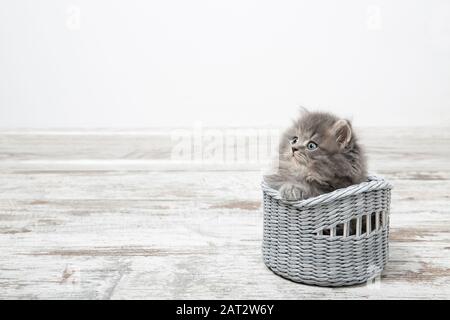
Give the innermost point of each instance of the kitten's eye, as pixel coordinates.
(311, 145)
(293, 140)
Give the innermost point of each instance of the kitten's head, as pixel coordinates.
(325, 146)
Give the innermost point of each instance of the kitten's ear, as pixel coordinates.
(342, 131)
(302, 111)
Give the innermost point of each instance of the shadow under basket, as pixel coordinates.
(336, 239)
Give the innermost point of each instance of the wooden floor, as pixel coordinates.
(108, 215)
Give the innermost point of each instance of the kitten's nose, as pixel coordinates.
(294, 149)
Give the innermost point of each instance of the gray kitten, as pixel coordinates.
(319, 153)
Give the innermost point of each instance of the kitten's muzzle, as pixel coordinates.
(297, 155)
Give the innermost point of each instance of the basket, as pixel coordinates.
(335, 239)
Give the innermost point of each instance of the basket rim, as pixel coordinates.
(374, 182)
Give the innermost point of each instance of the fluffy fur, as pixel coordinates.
(318, 154)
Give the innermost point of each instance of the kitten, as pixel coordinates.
(319, 153)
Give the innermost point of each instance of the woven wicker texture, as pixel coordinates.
(336, 239)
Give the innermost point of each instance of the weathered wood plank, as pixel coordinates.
(391, 150)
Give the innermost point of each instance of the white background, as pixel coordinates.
(131, 63)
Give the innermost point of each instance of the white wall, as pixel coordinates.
(131, 63)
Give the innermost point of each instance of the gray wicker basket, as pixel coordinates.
(336, 239)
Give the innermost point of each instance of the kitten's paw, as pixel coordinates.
(291, 191)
